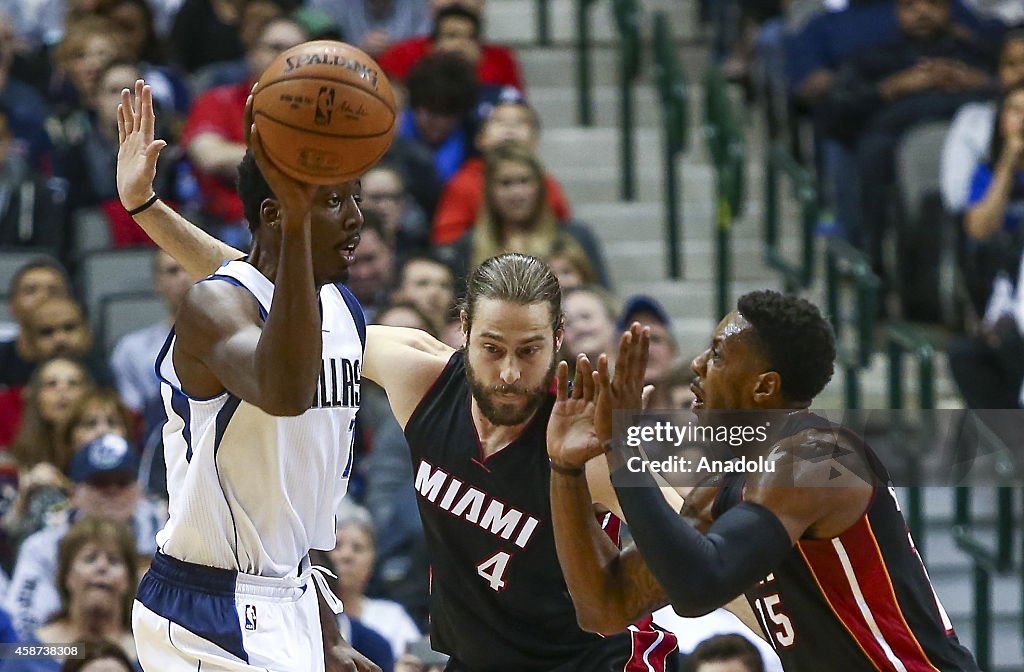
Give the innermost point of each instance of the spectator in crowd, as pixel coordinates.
(35, 282)
(511, 120)
(100, 657)
(89, 44)
(366, 641)
(404, 314)
(881, 93)
(89, 160)
(376, 25)
(354, 558)
(399, 543)
(570, 265)
(590, 322)
(132, 359)
(403, 219)
(989, 367)
(214, 138)
(96, 413)
(516, 216)
(442, 93)
(372, 272)
(25, 108)
(663, 355)
(457, 26)
(40, 25)
(427, 284)
(135, 22)
(970, 135)
(50, 396)
(29, 204)
(207, 31)
(104, 473)
(45, 486)
(96, 575)
(815, 54)
(57, 328)
(726, 653)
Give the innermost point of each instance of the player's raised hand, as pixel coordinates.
(138, 151)
(294, 197)
(626, 391)
(570, 436)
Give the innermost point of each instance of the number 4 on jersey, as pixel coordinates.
(493, 570)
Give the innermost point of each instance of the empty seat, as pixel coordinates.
(125, 312)
(107, 272)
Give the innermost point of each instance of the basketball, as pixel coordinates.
(324, 111)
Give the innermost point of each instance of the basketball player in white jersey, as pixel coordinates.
(260, 382)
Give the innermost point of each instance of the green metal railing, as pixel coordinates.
(585, 107)
(846, 265)
(543, 23)
(728, 148)
(781, 164)
(627, 19)
(987, 562)
(674, 95)
(903, 340)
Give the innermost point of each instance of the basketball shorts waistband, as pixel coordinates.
(228, 582)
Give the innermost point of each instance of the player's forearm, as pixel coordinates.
(199, 253)
(288, 356)
(587, 556)
(700, 573)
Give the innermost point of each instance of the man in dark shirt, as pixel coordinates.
(923, 75)
(32, 284)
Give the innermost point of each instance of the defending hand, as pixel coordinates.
(138, 151)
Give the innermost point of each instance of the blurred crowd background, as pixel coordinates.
(82, 487)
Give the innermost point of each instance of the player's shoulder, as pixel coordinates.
(403, 342)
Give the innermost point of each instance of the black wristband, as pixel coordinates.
(152, 199)
(565, 471)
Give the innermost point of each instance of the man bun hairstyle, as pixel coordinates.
(514, 278)
(795, 338)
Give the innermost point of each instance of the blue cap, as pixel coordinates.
(105, 455)
(641, 303)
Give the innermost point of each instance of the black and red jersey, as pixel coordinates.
(499, 601)
(861, 601)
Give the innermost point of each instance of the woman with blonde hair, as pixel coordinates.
(90, 42)
(96, 577)
(516, 216)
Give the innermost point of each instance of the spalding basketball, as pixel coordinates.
(324, 111)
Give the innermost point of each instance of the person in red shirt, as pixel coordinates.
(213, 134)
(511, 120)
(456, 28)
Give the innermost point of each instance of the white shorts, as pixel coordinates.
(193, 618)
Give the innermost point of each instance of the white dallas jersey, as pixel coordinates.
(250, 491)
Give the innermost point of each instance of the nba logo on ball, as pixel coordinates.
(324, 111)
(324, 106)
(250, 617)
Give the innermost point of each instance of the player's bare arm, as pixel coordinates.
(609, 589)
(199, 253)
(259, 362)
(406, 363)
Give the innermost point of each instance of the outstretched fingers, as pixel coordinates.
(585, 378)
(137, 107)
(562, 381)
(148, 122)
